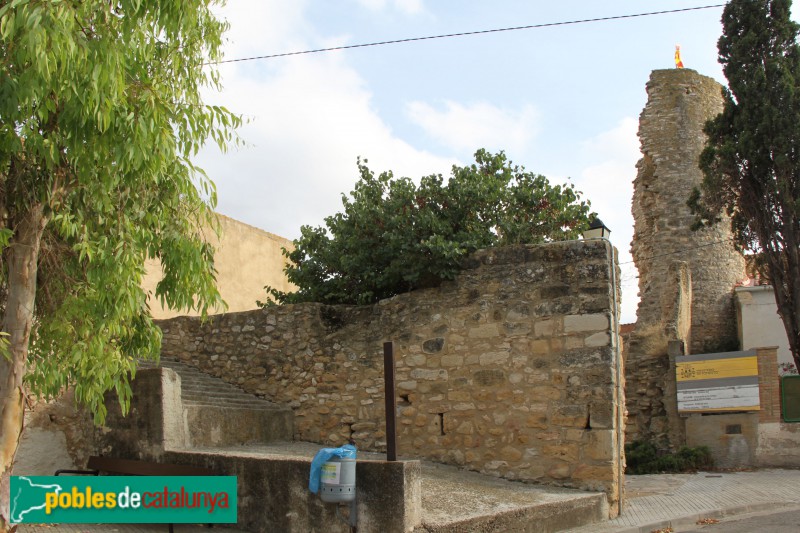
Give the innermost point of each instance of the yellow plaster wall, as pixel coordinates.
(247, 259)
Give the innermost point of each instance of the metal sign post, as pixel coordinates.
(391, 402)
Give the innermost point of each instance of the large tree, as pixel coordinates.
(751, 162)
(395, 236)
(100, 113)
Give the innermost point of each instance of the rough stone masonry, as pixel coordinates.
(686, 277)
(512, 369)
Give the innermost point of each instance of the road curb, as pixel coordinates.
(690, 521)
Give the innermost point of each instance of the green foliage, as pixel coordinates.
(395, 236)
(643, 458)
(751, 162)
(100, 113)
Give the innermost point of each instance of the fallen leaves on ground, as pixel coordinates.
(707, 521)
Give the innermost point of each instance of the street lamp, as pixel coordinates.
(597, 230)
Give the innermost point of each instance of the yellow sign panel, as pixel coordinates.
(717, 369)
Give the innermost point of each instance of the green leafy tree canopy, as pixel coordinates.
(751, 162)
(394, 236)
(100, 113)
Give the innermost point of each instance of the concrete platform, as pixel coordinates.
(123, 528)
(654, 502)
(452, 499)
(455, 500)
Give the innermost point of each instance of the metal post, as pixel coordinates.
(353, 517)
(391, 402)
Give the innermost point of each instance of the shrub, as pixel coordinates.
(394, 236)
(644, 458)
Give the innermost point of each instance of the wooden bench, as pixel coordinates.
(132, 467)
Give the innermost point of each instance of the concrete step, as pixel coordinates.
(205, 402)
(218, 414)
(452, 499)
(198, 386)
(235, 425)
(216, 392)
(455, 500)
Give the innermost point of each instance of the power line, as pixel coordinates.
(463, 34)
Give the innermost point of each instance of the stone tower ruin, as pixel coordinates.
(686, 278)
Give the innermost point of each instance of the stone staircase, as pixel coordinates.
(227, 426)
(217, 413)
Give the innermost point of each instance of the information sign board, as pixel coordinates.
(718, 382)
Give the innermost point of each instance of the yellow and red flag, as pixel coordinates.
(678, 62)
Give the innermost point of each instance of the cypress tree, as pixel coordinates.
(751, 162)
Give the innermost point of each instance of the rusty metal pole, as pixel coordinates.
(391, 402)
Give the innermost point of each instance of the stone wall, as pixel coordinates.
(512, 369)
(56, 435)
(679, 103)
(686, 277)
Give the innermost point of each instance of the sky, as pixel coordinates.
(562, 101)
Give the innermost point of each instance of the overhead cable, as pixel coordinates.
(467, 33)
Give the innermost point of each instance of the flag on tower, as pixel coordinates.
(678, 62)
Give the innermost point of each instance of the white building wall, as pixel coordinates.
(759, 323)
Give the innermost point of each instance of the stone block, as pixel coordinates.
(465, 428)
(452, 360)
(602, 415)
(544, 392)
(407, 385)
(494, 358)
(575, 435)
(488, 377)
(576, 416)
(459, 396)
(600, 446)
(510, 454)
(572, 343)
(537, 420)
(581, 323)
(429, 374)
(561, 451)
(433, 345)
(408, 411)
(594, 473)
(484, 331)
(598, 339)
(540, 347)
(422, 420)
(559, 471)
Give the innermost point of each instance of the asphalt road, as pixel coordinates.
(773, 522)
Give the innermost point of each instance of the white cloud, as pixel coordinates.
(412, 7)
(310, 118)
(465, 128)
(259, 27)
(409, 7)
(607, 181)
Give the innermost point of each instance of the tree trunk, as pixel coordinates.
(784, 277)
(22, 258)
